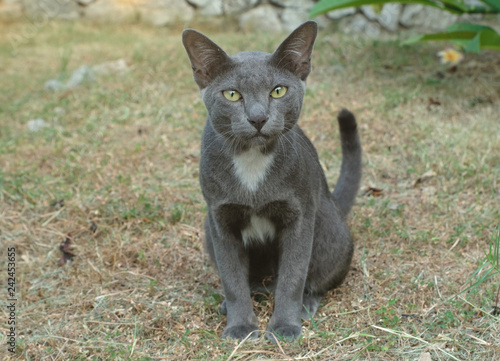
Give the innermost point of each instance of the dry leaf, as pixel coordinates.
(432, 102)
(93, 227)
(57, 204)
(372, 191)
(64, 248)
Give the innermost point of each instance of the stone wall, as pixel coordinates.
(267, 15)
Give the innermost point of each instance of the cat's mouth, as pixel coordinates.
(259, 138)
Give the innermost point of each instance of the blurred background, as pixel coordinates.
(267, 15)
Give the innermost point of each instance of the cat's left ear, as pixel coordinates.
(294, 53)
(208, 60)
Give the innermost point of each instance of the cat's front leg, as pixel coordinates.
(233, 265)
(296, 244)
(241, 319)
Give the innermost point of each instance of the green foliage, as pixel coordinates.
(471, 37)
(388, 315)
(177, 212)
(491, 263)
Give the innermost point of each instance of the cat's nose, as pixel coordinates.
(257, 117)
(258, 122)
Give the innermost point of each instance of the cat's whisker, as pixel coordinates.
(283, 148)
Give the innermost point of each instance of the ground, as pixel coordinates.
(102, 203)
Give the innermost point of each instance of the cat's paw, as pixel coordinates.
(310, 306)
(223, 308)
(240, 332)
(285, 332)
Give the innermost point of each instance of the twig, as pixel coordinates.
(477, 308)
(110, 294)
(418, 277)
(248, 336)
(95, 269)
(54, 215)
(138, 274)
(454, 244)
(112, 323)
(135, 341)
(279, 345)
(437, 287)
(482, 342)
(355, 335)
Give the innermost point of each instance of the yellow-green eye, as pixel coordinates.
(231, 95)
(279, 91)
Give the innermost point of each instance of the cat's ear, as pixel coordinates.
(207, 59)
(294, 53)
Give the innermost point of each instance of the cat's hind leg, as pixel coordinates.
(310, 303)
(330, 259)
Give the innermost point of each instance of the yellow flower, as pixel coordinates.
(450, 56)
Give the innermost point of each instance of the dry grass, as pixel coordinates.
(115, 172)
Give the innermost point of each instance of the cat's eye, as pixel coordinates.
(232, 95)
(279, 91)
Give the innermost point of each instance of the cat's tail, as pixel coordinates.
(350, 173)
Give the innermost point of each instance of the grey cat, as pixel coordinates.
(272, 222)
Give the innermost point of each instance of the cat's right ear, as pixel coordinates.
(294, 53)
(207, 59)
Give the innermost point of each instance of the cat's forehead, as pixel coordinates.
(252, 68)
(251, 57)
(252, 62)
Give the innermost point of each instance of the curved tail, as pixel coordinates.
(350, 173)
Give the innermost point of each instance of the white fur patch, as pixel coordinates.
(258, 230)
(251, 167)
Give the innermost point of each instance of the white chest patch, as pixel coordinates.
(259, 230)
(251, 167)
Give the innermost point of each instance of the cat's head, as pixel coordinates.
(252, 97)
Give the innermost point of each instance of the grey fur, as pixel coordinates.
(272, 222)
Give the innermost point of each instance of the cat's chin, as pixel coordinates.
(259, 140)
